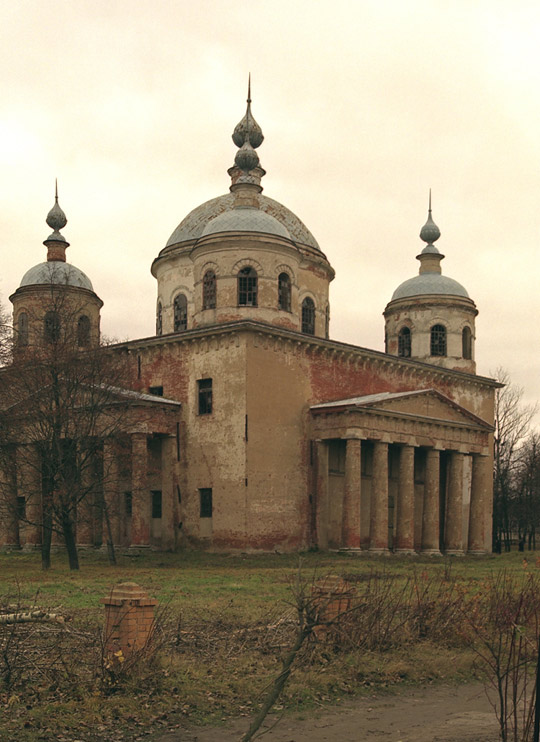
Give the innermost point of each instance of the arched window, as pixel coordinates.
(466, 343)
(209, 290)
(180, 313)
(83, 331)
(51, 329)
(438, 340)
(308, 316)
(22, 329)
(247, 287)
(284, 292)
(404, 342)
(159, 319)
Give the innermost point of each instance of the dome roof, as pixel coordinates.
(56, 272)
(247, 219)
(197, 222)
(429, 283)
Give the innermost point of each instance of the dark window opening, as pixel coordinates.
(179, 494)
(52, 327)
(404, 342)
(247, 288)
(128, 504)
(157, 390)
(21, 507)
(204, 387)
(156, 504)
(22, 337)
(336, 456)
(180, 313)
(308, 316)
(159, 319)
(466, 341)
(209, 290)
(205, 496)
(438, 340)
(327, 322)
(284, 292)
(83, 331)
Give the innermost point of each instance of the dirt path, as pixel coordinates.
(432, 714)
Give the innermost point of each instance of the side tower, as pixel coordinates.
(431, 317)
(55, 300)
(242, 256)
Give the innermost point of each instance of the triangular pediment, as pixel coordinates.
(424, 403)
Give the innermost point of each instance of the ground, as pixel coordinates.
(427, 714)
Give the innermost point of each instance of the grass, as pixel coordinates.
(217, 657)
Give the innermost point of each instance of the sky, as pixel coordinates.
(364, 105)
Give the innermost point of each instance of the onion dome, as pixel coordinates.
(248, 130)
(430, 280)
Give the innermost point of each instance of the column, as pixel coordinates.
(29, 488)
(481, 499)
(454, 507)
(405, 504)
(350, 538)
(378, 526)
(140, 513)
(322, 494)
(169, 525)
(9, 524)
(111, 501)
(430, 515)
(85, 506)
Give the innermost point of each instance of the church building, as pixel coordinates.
(249, 427)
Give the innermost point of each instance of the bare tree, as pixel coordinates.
(60, 400)
(512, 427)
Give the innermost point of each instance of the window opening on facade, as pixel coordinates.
(404, 342)
(83, 331)
(157, 390)
(180, 313)
(159, 319)
(308, 316)
(21, 507)
(52, 327)
(204, 389)
(22, 329)
(438, 340)
(336, 456)
(284, 292)
(209, 290)
(156, 503)
(466, 341)
(205, 496)
(327, 322)
(128, 504)
(247, 287)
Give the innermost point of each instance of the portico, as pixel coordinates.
(406, 472)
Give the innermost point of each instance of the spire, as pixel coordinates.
(247, 136)
(430, 258)
(56, 243)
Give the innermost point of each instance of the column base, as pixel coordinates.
(454, 552)
(31, 547)
(379, 552)
(404, 552)
(431, 552)
(478, 552)
(10, 547)
(352, 550)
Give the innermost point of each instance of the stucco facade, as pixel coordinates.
(251, 429)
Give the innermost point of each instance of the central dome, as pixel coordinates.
(195, 224)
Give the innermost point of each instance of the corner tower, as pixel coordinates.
(55, 301)
(431, 317)
(242, 256)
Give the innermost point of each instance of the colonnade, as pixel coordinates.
(452, 541)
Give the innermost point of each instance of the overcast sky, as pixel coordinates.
(364, 106)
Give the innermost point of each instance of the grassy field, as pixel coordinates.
(225, 622)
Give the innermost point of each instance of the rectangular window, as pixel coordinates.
(204, 387)
(156, 503)
(157, 390)
(21, 508)
(128, 503)
(336, 456)
(205, 496)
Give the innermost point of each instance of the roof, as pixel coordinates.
(429, 283)
(58, 273)
(194, 224)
